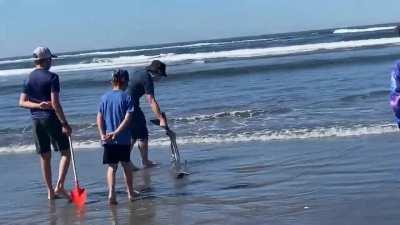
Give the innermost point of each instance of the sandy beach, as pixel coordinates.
(316, 181)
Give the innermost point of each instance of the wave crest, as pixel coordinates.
(213, 116)
(288, 134)
(171, 58)
(361, 30)
(264, 136)
(115, 52)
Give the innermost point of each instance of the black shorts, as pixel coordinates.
(139, 127)
(114, 154)
(47, 132)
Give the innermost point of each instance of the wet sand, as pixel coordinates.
(317, 181)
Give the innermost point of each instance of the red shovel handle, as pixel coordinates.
(78, 194)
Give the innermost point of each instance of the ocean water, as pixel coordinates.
(304, 85)
(291, 128)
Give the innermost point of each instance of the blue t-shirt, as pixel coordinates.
(38, 87)
(113, 107)
(140, 83)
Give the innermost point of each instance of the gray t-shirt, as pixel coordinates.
(140, 83)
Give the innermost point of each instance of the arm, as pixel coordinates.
(55, 102)
(25, 103)
(156, 109)
(100, 124)
(100, 127)
(124, 124)
(148, 85)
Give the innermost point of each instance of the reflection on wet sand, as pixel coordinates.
(134, 213)
(321, 181)
(66, 213)
(142, 210)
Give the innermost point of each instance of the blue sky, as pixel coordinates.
(69, 25)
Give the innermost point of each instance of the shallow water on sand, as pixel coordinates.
(317, 181)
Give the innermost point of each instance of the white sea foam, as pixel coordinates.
(203, 117)
(360, 30)
(289, 134)
(201, 44)
(97, 65)
(103, 53)
(31, 148)
(263, 136)
(83, 145)
(140, 60)
(9, 61)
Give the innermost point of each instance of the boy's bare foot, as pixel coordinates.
(112, 201)
(62, 193)
(148, 164)
(135, 168)
(51, 195)
(135, 195)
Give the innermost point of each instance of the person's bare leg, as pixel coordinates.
(45, 162)
(111, 171)
(128, 179)
(144, 152)
(134, 168)
(62, 173)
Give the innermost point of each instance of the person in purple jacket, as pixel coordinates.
(395, 91)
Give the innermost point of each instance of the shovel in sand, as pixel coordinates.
(78, 194)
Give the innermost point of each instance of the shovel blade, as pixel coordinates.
(78, 196)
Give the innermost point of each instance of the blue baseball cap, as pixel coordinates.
(120, 73)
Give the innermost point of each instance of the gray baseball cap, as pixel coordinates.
(42, 53)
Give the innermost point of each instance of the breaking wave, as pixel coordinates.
(115, 52)
(213, 116)
(360, 30)
(264, 136)
(171, 58)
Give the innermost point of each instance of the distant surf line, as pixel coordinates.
(362, 30)
(103, 53)
(171, 58)
(200, 44)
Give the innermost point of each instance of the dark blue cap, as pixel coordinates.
(158, 67)
(119, 74)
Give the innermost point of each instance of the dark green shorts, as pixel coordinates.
(47, 132)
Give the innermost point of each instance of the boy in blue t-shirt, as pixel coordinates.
(113, 118)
